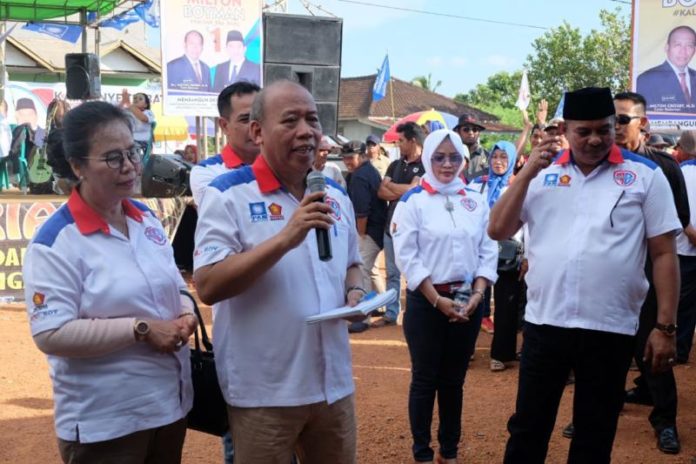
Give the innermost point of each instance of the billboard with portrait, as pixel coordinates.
(207, 46)
(663, 66)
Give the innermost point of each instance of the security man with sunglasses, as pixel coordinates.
(658, 389)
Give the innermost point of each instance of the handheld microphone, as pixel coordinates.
(317, 183)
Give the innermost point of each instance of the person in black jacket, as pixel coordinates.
(659, 390)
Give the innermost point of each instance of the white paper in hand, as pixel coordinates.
(365, 307)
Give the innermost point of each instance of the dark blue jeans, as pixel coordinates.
(600, 361)
(440, 352)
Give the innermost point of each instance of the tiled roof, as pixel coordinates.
(355, 102)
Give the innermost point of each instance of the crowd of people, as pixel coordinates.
(480, 236)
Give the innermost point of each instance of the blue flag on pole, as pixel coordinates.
(379, 90)
(67, 32)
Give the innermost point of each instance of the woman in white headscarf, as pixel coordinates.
(443, 250)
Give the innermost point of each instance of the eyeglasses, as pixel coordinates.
(440, 158)
(115, 159)
(469, 129)
(624, 119)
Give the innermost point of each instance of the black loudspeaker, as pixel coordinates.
(307, 50)
(166, 176)
(82, 76)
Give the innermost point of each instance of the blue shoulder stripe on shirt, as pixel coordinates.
(336, 185)
(213, 160)
(53, 225)
(243, 175)
(142, 207)
(629, 155)
(413, 191)
(691, 162)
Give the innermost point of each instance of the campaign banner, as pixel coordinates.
(663, 71)
(20, 218)
(207, 46)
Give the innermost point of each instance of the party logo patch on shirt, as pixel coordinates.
(155, 235)
(564, 181)
(469, 204)
(276, 212)
(624, 178)
(335, 207)
(38, 299)
(550, 180)
(258, 211)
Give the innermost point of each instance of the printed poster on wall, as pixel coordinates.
(207, 46)
(663, 69)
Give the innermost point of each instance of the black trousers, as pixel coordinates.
(507, 291)
(600, 361)
(661, 387)
(686, 314)
(440, 352)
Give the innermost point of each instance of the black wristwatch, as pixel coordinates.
(667, 329)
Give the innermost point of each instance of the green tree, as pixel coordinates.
(565, 59)
(426, 82)
(500, 90)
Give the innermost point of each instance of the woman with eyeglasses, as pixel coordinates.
(443, 250)
(104, 303)
(508, 289)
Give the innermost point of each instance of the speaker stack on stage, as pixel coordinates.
(82, 76)
(307, 50)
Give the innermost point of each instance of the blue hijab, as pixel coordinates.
(497, 182)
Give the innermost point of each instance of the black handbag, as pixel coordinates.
(509, 255)
(209, 411)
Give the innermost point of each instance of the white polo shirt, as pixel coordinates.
(77, 267)
(204, 172)
(430, 241)
(684, 247)
(587, 240)
(265, 353)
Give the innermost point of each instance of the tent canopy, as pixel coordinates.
(39, 10)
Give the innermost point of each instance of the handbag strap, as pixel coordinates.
(201, 325)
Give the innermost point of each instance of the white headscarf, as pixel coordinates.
(432, 142)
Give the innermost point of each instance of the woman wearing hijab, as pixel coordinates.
(441, 246)
(509, 287)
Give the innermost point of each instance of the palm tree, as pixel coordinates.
(426, 82)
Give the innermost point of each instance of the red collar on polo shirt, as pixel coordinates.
(431, 190)
(267, 180)
(89, 221)
(230, 158)
(615, 156)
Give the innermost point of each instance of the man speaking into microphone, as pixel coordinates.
(287, 384)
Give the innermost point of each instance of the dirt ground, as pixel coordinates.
(382, 371)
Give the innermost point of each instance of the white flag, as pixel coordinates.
(523, 96)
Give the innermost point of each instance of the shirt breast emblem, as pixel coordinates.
(276, 212)
(624, 178)
(155, 235)
(335, 206)
(564, 181)
(469, 204)
(550, 180)
(258, 211)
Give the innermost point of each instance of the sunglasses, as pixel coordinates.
(439, 158)
(624, 119)
(469, 129)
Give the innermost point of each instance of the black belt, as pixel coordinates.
(449, 287)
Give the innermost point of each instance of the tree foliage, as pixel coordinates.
(563, 59)
(426, 82)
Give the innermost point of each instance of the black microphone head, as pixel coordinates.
(316, 182)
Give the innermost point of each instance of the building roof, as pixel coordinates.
(49, 53)
(355, 102)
